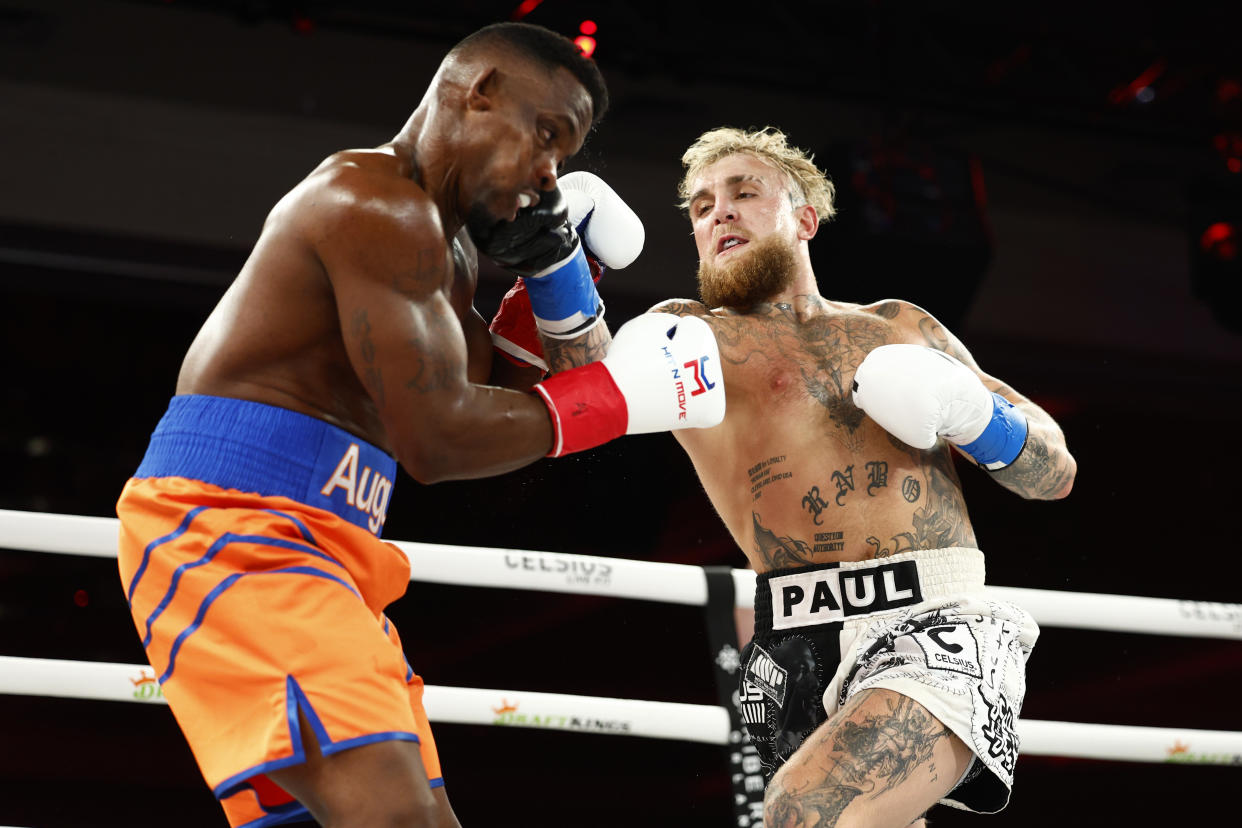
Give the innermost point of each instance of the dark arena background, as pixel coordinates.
(1060, 183)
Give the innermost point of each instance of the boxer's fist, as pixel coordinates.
(612, 236)
(538, 237)
(668, 369)
(661, 374)
(919, 394)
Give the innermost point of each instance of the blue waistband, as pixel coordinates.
(252, 447)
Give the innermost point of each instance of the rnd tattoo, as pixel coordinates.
(843, 479)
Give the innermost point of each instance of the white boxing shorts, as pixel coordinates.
(918, 623)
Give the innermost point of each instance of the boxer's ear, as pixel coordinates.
(808, 221)
(483, 89)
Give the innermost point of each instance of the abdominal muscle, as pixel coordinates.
(794, 496)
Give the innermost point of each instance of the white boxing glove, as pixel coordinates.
(611, 232)
(919, 394)
(662, 373)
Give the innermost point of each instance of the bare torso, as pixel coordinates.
(797, 472)
(278, 337)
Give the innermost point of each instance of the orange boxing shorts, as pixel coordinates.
(251, 560)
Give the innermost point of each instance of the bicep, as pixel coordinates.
(933, 334)
(398, 328)
(402, 347)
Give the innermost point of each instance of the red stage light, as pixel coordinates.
(524, 8)
(586, 44)
(587, 27)
(1221, 240)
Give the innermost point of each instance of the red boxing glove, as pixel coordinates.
(514, 335)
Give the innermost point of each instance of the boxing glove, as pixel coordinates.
(612, 236)
(542, 246)
(918, 394)
(611, 232)
(661, 374)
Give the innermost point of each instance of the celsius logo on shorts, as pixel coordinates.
(366, 494)
(818, 596)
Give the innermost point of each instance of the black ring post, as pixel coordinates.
(744, 770)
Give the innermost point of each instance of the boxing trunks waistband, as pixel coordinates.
(270, 451)
(851, 590)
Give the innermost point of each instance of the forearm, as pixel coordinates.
(1045, 469)
(481, 431)
(563, 354)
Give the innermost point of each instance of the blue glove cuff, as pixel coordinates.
(1003, 439)
(564, 298)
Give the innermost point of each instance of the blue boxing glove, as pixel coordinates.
(919, 394)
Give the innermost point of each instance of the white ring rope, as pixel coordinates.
(672, 583)
(667, 582)
(629, 717)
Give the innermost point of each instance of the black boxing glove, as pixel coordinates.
(542, 247)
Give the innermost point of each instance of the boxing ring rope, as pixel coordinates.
(643, 580)
(666, 582)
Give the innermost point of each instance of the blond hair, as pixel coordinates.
(808, 183)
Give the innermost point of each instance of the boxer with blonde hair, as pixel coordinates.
(834, 471)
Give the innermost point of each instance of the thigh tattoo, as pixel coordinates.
(869, 756)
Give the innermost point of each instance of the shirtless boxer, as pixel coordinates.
(249, 545)
(834, 472)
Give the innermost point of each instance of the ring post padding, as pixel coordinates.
(745, 770)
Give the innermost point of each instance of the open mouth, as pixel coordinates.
(523, 201)
(729, 242)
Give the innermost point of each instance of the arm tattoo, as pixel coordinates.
(1041, 471)
(435, 365)
(563, 354)
(371, 375)
(681, 307)
(889, 310)
(935, 335)
(430, 272)
(1037, 473)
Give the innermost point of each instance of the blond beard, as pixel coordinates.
(757, 275)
